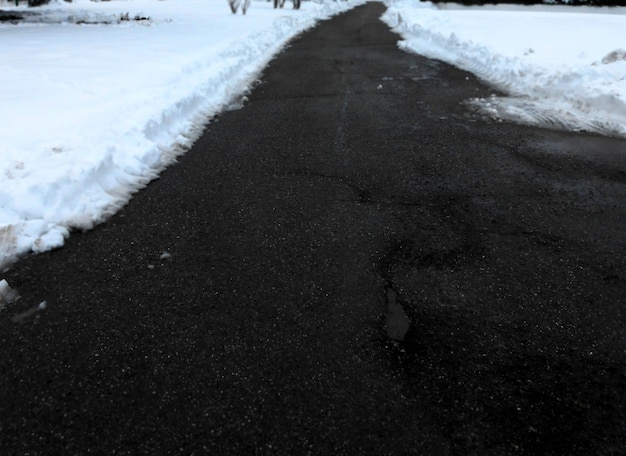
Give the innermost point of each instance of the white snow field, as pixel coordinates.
(94, 104)
(93, 107)
(558, 66)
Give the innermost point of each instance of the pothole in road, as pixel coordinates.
(397, 323)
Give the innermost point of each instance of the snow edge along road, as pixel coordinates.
(70, 182)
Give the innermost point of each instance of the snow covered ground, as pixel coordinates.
(559, 66)
(93, 107)
(95, 104)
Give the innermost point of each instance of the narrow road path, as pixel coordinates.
(356, 263)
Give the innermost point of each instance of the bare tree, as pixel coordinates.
(281, 3)
(234, 5)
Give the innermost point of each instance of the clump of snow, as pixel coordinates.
(7, 294)
(99, 97)
(614, 56)
(545, 58)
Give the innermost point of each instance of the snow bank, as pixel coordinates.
(560, 66)
(95, 104)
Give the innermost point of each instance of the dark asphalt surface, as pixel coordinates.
(354, 193)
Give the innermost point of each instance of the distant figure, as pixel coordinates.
(234, 5)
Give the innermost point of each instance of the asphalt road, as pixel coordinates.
(357, 264)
